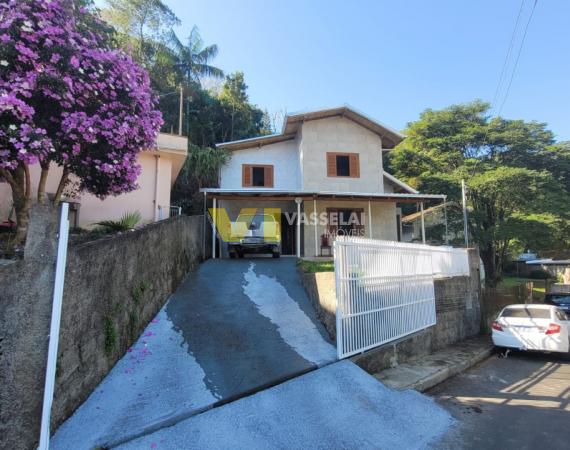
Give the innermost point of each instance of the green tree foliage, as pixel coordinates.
(141, 24)
(517, 177)
(209, 116)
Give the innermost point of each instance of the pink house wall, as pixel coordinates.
(152, 199)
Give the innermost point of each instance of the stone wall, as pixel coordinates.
(320, 288)
(113, 288)
(458, 310)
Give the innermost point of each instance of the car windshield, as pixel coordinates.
(255, 221)
(531, 313)
(558, 299)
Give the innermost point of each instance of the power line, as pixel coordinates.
(507, 56)
(518, 57)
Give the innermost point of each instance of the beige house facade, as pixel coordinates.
(160, 168)
(324, 174)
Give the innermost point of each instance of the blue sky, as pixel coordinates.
(390, 59)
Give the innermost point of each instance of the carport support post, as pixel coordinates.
(214, 206)
(298, 201)
(423, 223)
(370, 219)
(316, 233)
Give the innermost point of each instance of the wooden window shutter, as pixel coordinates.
(354, 165)
(331, 164)
(268, 176)
(246, 175)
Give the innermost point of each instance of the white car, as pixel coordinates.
(532, 327)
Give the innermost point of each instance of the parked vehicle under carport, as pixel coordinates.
(255, 233)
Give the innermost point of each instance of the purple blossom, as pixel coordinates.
(92, 110)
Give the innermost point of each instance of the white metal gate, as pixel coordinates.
(385, 289)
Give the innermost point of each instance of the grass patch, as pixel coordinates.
(538, 286)
(316, 266)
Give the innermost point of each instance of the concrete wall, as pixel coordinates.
(282, 155)
(113, 288)
(321, 290)
(337, 134)
(458, 309)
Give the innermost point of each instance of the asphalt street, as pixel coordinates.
(519, 402)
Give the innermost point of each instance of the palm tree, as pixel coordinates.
(193, 59)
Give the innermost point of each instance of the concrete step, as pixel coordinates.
(425, 372)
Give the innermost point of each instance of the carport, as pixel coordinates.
(378, 213)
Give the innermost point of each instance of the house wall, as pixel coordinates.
(93, 209)
(383, 221)
(283, 156)
(337, 134)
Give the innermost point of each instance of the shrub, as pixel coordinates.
(539, 274)
(125, 223)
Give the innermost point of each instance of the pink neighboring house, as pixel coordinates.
(160, 168)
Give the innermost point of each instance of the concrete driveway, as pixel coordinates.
(336, 407)
(232, 328)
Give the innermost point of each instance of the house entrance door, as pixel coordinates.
(288, 236)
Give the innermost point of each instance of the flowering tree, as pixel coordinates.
(67, 98)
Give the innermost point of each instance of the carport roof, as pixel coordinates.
(272, 194)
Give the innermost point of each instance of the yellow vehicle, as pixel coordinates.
(255, 233)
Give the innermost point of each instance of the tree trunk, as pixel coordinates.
(20, 184)
(42, 183)
(61, 186)
(490, 265)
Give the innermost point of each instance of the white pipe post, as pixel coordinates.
(370, 219)
(316, 232)
(423, 223)
(464, 201)
(54, 326)
(214, 214)
(298, 228)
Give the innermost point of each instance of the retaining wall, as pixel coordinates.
(113, 288)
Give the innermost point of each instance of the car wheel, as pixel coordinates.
(232, 255)
(240, 254)
(276, 254)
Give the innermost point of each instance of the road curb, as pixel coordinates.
(433, 380)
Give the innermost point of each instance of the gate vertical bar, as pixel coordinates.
(337, 257)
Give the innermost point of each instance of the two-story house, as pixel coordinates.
(324, 176)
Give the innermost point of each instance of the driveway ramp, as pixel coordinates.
(232, 328)
(337, 407)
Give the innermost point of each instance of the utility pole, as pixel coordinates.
(180, 112)
(464, 200)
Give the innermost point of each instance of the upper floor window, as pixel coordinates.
(254, 175)
(343, 165)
